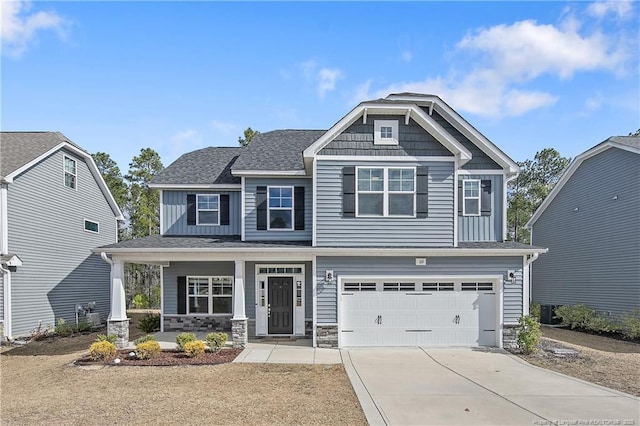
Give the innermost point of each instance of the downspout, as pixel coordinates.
(7, 297)
(505, 205)
(104, 257)
(528, 260)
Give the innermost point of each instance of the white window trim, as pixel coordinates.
(385, 192)
(291, 209)
(210, 296)
(65, 172)
(198, 210)
(465, 198)
(377, 134)
(92, 221)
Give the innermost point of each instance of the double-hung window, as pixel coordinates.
(471, 197)
(208, 209)
(280, 207)
(70, 173)
(386, 191)
(210, 295)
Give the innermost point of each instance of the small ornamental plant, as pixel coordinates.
(102, 351)
(183, 338)
(147, 350)
(528, 334)
(147, 338)
(194, 348)
(216, 341)
(111, 338)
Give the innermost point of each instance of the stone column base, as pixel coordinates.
(239, 333)
(510, 337)
(327, 336)
(121, 329)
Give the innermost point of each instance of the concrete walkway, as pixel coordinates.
(288, 352)
(405, 386)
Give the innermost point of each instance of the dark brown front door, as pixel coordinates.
(280, 305)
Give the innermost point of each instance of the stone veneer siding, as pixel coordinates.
(239, 333)
(327, 336)
(510, 337)
(197, 323)
(121, 329)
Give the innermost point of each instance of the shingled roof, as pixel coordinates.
(20, 148)
(277, 150)
(205, 166)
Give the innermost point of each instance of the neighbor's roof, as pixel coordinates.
(277, 150)
(627, 143)
(205, 166)
(20, 148)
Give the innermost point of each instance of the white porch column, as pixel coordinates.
(117, 323)
(239, 320)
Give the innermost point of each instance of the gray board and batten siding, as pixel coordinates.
(594, 251)
(251, 213)
(174, 211)
(436, 230)
(486, 227)
(413, 140)
(46, 229)
(184, 269)
(327, 299)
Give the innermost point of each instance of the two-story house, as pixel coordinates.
(387, 229)
(54, 208)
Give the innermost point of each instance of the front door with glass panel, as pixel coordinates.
(280, 307)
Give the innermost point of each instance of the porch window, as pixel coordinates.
(210, 295)
(281, 207)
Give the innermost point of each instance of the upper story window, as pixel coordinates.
(385, 191)
(280, 207)
(70, 173)
(385, 132)
(471, 197)
(208, 209)
(91, 226)
(210, 295)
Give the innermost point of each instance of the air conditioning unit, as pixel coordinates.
(93, 318)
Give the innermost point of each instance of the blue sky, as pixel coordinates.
(178, 76)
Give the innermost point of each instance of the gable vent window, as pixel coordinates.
(385, 132)
(91, 226)
(70, 172)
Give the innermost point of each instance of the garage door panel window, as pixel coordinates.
(360, 286)
(437, 286)
(399, 286)
(477, 287)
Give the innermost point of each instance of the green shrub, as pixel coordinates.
(83, 326)
(534, 310)
(601, 324)
(216, 341)
(528, 334)
(147, 350)
(194, 348)
(147, 338)
(150, 323)
(63, 328)
(140, 301)
(575, 316)
(631, 325)
(183, 338)
(111, 338)
(102, 351)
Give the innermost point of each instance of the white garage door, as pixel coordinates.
(401, 312)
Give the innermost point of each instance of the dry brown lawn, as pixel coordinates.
(50, 390)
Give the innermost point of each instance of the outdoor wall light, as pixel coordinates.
(328, 275)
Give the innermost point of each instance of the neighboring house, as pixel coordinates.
(386, 229)
(54, 208)
(591, 224)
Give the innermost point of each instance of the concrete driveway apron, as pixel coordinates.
(416, 386)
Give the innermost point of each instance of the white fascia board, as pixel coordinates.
(571, 169)
(476, 137)
(4, 220)
(92, 168)
(300, 253)
(468, 172)
(197, 186)
(270, 173)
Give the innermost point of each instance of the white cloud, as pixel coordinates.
(184, 141)
(495, 69)
(327, 78)
(619, 8)
(407, 56)
(20, 26)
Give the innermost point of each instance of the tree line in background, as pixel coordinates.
(141, 206)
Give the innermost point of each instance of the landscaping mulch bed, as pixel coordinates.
(168, 358)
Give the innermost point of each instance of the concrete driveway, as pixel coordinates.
(404, 386)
